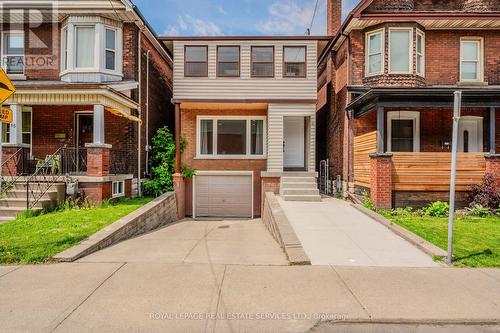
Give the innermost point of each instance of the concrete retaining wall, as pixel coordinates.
(278, 225)
(157, 213)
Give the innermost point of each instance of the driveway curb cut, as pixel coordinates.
(418, 241)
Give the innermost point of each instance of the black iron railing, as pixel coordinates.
(46, 175)
(74, 160)
(14, 167)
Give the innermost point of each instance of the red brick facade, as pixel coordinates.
(381, 181)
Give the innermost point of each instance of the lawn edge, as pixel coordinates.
(414, 239)
(159, 212)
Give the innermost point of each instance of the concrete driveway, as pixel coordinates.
(229, 242)
(332, 232)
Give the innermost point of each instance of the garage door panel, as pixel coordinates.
(223, 196)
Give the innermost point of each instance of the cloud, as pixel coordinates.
(187, 24)
(221, 10)
(288, 17)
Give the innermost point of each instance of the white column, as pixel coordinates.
(98, 124)
(16, 127)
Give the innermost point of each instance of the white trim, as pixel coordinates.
(214, 154)
(118, 194)
(480, 61)
(2, 48)
(404, 115)
(222, 173)
(479, 127)
(382, 52)
(410, 50)
(421, 34)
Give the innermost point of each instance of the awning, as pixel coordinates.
(118, 113)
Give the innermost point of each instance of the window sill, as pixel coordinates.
(118, 196)
(472, 83)
(230, 157)
(17, 77)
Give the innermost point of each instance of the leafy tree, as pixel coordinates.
(162, 163)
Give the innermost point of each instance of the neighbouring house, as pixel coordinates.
(246, 107)
(93, 85)
(386, 91)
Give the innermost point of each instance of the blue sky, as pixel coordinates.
(236, 17)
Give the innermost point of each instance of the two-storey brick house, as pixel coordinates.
(246, 107)
(386, 93)
(93, 85)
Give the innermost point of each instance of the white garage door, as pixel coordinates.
(223, 196)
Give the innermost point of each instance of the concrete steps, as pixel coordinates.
(299, 187)
(14, 202)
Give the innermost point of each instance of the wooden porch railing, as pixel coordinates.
(431, 171)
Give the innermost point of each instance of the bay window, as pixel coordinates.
(64, 53)
(375, 52)
(420, 53)
(231, 137)
(13, 52)
(471, 55)
(85, 46)
(400, 50)
(110, 51)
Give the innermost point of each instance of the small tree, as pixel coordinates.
(162, 163)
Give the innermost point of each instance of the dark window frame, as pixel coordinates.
(262, 62)
(227, 62)
(305, 61)
(196, 62)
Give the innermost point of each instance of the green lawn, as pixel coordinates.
(36, 239)
(476, 240)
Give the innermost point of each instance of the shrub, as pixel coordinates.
(163, 163)
(478, 211)
(438, 209)
(367, 201)
(486, 194)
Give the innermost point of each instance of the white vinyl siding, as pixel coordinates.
(276, 112)
(245, 87)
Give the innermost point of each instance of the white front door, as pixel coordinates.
(470, 134)
(293, 137)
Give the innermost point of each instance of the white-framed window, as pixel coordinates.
(84, 47)
(403, 131)
(400, 50)
(118, 188)
(110, 49)
(375, 52)
(471, 59)
(231, 137)
(420, 52)
(64, 49)
(13, 52)
(294, 61)
(26, 127)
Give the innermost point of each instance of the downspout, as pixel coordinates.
(139, 55)
(147, 147)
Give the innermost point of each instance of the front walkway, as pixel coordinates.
(332, 232)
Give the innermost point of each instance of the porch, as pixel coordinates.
(402, 143)
(87, 135)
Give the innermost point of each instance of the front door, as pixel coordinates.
(470, 134)
(293, 142)
(84, 129)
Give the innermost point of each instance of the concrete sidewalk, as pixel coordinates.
(162, 297)
(332, 232)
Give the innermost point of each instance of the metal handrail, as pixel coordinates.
(47, 179)
(6, 185)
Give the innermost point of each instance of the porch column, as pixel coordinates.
(16, 128)
(381, 181)
(98, 152)
(380, 130)
(492, 131)
(178, 178)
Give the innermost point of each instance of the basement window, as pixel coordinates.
(118, 189)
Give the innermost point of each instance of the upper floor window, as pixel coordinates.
(471, 55)
(110, 49)
(64, 53)
(85, 47)
(228, 61)
(262, 61)
(400, 50)
(196, 61)
(13, 52)
(375, 52)
(294, 61)
(420, 53)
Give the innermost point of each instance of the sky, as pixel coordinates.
(237, 17)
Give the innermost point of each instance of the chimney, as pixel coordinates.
(334, 16)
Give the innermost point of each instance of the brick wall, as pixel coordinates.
(426, 5)
(42, 51)
(381, 182)
(130, 47)
(188, 131)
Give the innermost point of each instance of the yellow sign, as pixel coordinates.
(6, 87)
(5, 115)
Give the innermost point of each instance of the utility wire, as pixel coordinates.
(308, 30)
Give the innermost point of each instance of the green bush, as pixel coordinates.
(163, 164)
(438, 209)
(367, 201)
(478, 210)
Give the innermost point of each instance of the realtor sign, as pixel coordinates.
(6, 90)
(5, 115)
